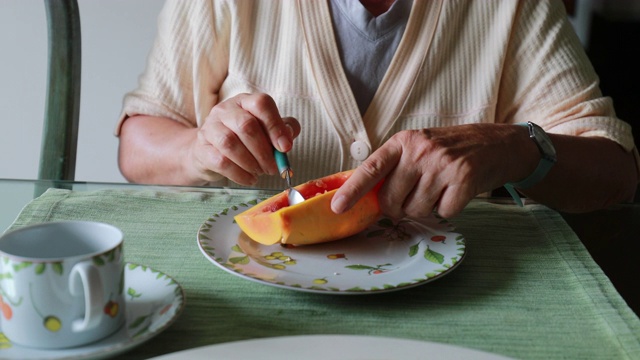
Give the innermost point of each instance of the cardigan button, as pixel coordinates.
(360, 150)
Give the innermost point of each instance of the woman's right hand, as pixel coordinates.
(237, 140)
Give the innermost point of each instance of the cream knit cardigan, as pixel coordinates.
(459, 62)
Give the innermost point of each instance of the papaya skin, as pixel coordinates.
(312, 221)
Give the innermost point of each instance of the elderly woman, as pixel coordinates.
(444, 100)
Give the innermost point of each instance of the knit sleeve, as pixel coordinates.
(548, 79)
(186, 66)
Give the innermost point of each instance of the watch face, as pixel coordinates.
(543, 141)
(546, 145)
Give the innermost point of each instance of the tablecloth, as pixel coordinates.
(527, 287)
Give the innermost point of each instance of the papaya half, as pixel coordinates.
(311, 221)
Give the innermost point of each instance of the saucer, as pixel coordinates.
(153, 301)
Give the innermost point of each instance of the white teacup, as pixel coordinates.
(61, 283)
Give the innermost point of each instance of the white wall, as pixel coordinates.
(116, 38)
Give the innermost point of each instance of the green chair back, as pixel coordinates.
(60, 132)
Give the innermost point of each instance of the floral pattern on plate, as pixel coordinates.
(387, 256)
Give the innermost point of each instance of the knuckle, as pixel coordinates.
(262, 101)
(248, 125)
(373, 167)
(412, 137)
(394, 212)
(390, 205)
(292, 127)
(220, 163)
(416, 144)
(450, 206)
(419, 211)
(403, 136)
(225, 140)
(350, 188)
(213, 113)
(424, 141)
(446, 212)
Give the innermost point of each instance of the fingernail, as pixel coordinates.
(339, 204)
(273, 170)
(290, 130)
(284, 143)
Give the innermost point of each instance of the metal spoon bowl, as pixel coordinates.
(285, 171)
(294, 195)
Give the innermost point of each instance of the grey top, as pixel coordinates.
(367, 43)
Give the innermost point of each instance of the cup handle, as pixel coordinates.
(90, 285)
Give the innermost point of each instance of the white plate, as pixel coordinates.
(153, 301)
(322, 347)
(384, 257)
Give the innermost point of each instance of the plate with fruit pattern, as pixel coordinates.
(153, 301)
(387, 256)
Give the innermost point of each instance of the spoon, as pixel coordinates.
(285, 171)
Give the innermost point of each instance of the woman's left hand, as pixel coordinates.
(440, 168)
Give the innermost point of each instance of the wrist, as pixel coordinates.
(193, 170)
(546, 160)
(525, 155)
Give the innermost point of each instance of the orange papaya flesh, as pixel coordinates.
(312, 221)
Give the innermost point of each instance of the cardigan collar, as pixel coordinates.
(393, 92)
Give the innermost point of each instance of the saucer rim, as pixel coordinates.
(112, 349)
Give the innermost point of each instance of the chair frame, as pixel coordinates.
(60, 132)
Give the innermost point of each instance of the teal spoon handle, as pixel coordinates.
(285, 171)
(282, 161)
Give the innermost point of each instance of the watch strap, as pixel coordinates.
(538, 174)
(544, 165)
(514, 194)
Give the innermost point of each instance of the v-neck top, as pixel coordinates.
(456, 63)
(367, 43)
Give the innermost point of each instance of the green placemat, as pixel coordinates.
(526, 289)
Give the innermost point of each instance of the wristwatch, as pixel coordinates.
(547, 159)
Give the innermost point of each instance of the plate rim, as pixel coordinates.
(351, 340)
(317, 290)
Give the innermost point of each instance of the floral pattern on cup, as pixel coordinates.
(157, 301)
(52, 322)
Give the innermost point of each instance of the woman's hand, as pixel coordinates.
(235, 141)
(440, 168)
(444, 168)
(238, 137)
